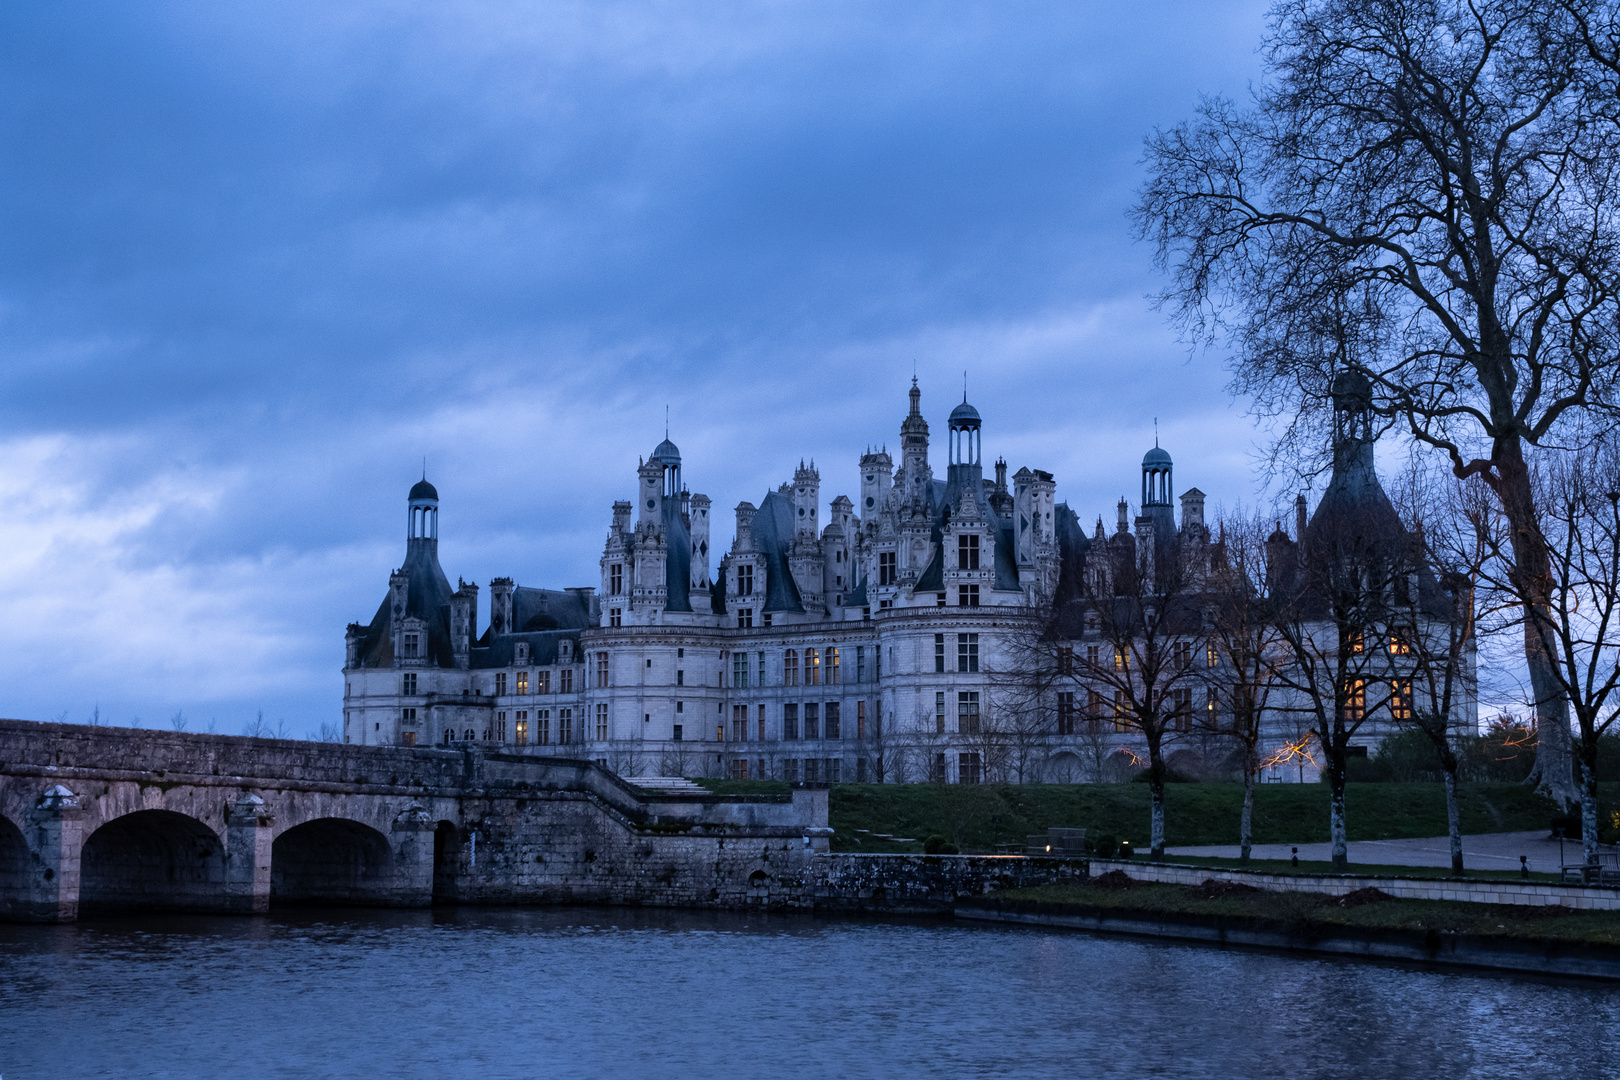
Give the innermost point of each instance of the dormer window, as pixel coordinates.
(745, 580)
(616, 578)
(886, 568)
(522, 657)
(967, 551)
(411, 646)
(565, 651)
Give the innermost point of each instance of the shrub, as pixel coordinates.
(1103, 845)
(935, 844)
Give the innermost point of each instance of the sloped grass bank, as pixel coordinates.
(1314, 914)
(977, 818)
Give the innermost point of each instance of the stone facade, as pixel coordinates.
(833, 641)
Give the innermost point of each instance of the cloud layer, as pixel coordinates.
(258, 260)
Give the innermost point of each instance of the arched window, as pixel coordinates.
(470, 735)
(790, 668)
(812, 668)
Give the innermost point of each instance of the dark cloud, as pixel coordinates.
(257, 259)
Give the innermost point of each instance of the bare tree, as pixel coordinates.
(1333, 619)
(1032, 665)
(178, 721)
(1442, 175)
(1447, 514)
(1243, 645)
(1139, 630)
(1580, 529)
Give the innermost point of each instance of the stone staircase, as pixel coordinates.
(666, 785)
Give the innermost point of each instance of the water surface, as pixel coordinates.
(497, 993)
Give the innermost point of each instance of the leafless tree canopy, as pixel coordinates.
(1424, 190)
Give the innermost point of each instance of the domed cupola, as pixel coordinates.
(964, 434)
(423, 504)
(668, 455)
(1157, 470)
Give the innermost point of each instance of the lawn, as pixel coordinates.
(1287, 911)
(978, 817)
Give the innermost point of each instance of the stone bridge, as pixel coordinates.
(116, 819)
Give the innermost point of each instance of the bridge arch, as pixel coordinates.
(14, 867)
(331, 861)
(152, 860)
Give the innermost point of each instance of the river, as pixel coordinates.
(577, 992)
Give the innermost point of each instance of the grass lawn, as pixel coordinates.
(1292, 910)
(978, 817)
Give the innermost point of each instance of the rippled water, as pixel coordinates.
(614, 993)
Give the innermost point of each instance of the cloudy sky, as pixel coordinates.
(258, 260)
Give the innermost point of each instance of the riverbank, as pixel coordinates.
(1368, 924)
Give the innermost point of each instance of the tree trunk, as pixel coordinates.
(1157, 849)
(1454, 821)
(1553, 774)
(1589, 802)
(1341, 847)
(1245, 836)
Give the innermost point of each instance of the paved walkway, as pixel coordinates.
(1491, 851)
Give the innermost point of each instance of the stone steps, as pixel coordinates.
(666, 785)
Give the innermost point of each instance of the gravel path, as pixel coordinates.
(1491, 851)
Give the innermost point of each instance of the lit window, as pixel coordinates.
(1355, 700)
(542, 682)
(832, 666)
(1211, 656)
(1400, 699)
(1355, 641)
(812, 668)
(1399, 645)
(521, 729)
(523, 682)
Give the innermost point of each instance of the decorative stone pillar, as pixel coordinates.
(412, 841)
(247, 856)
(55, 841)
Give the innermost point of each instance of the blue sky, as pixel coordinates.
(257, 260)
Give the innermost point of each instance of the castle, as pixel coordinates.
(862, 646)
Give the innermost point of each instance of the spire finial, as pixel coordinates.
(964, 386)
(424, 466)
(666, 421)
(1155, 433)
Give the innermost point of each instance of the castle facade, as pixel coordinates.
(883, 639)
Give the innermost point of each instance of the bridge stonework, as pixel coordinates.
(95, 818)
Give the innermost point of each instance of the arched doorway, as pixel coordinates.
(152, 860)
(446, 862)
(331, 861)
(14, 862)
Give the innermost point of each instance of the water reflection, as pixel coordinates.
(496, 993)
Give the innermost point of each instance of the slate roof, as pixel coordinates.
(773, 536)
(427, 597)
